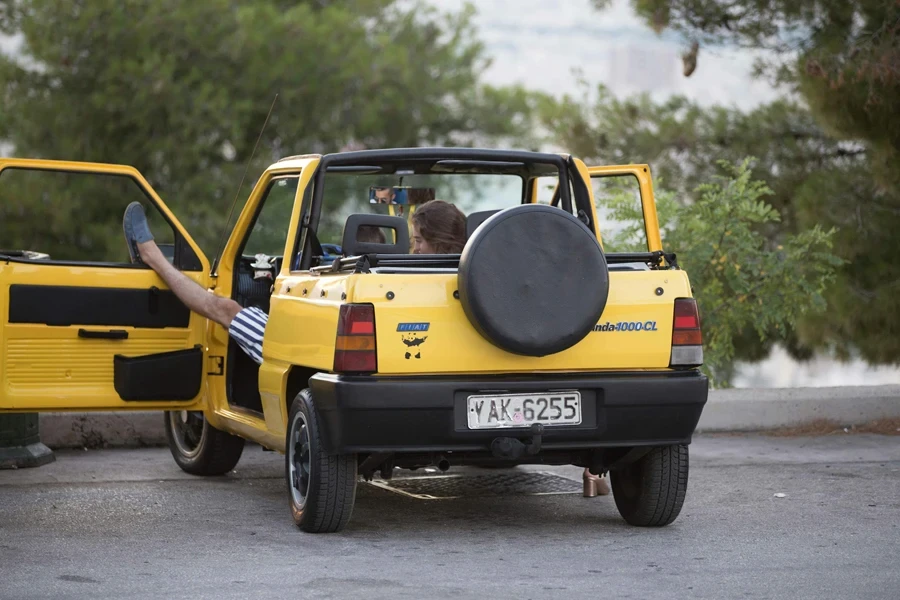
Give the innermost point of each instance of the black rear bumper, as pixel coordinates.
(428, 414)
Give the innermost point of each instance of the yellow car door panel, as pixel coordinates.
(83, 334)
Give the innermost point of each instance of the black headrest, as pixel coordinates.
(476, 219)
(351, 246)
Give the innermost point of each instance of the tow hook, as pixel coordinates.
(512, 448)
(535, 446)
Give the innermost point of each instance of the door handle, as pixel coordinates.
(112, 334)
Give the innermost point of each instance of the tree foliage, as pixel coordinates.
(842, 61)
(743, 282)
(181, 89)
(815, 179)
(843, 56)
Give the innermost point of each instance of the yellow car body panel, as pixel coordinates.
(451, 345)
(45, 367)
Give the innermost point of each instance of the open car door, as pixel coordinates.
(623, 198)
(626, 191)
(81, 327)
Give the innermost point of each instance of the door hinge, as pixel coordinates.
(216, 365)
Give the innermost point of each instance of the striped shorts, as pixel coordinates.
(247, 329)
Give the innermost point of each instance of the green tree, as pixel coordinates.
(815, 178)
(841, 58)
(743, 282)
(181, 89)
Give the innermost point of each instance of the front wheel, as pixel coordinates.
(650, 491)
(198, 447)
(321, 487)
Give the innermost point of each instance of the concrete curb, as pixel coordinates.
(726, 410)
(102, 429)
(764, 409)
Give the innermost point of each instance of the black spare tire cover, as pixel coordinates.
(533, 280)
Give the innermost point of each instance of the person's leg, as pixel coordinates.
(143, 248)
(594, 485)
(201, 301)
(247, 329)
(246, 326)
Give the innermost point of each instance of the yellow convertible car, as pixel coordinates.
(533, 345)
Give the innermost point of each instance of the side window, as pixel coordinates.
(620, 213)
(269, 232)
(73, 216)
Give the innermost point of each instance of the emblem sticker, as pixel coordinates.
(413, 343)
(411, 338)
(627, 326)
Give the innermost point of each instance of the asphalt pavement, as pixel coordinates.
(129, 524)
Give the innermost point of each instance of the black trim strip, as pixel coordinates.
(364, 262)
(16, 257)
(111, 307)
(112, 334)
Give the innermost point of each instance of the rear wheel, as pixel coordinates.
(198, 447)
(650, 491)
(321, 487)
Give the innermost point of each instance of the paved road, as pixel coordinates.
(129, 524)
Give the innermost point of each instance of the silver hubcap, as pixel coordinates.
(188, 431)
(298, 460)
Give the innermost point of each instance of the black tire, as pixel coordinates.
(198, 447)
(321, 487)
(650, 491)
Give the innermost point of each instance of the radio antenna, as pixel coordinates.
(221, 247)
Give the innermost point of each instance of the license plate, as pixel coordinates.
(521, 410)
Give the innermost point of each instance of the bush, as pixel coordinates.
(739, 278)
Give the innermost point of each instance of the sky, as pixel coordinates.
(539, 43)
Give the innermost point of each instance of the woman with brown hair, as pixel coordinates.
(438, 227)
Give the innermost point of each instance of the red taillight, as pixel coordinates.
(686, 322)
(687, 340)
(354, 347)
(362, 327)
(686, 315)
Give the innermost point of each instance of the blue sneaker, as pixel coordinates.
(137, 231)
